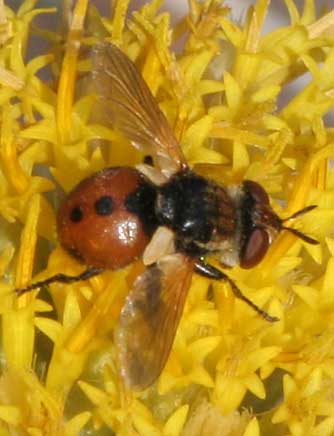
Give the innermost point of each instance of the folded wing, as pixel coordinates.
(149, 319)
(129, 105)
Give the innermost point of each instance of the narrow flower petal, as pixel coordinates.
(175, 423)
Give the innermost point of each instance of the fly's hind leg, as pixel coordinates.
(60, 278)
(213, 273)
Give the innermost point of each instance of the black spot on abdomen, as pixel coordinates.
(104, 205)
(76, 214)
(142, 203)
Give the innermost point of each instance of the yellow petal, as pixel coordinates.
(144, 427)
(257, 358)
(202, 347)
(235, 389)
(232, 91)
(326, 294)
(75, 424)
(72, 313)
(200, 376)
(96, 396)
(175, 423)
(52, 329)
(252, 428)
(325, 428)
(10, 414)
(255, 385)
(281, 415)
(307, 294)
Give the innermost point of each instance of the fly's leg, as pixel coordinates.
(213, 273)
(61, 278)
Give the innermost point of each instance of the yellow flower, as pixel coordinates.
(304, 403)
(224, 94)
(236, 370)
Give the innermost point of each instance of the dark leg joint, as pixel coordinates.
(60, 278)
(213, 273)
(209, 271)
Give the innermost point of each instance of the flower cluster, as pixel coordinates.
(230, 372)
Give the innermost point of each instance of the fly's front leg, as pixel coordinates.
(61, 278)
(213, 273)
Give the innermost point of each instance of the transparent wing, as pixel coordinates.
(129, 105)
(149, 320)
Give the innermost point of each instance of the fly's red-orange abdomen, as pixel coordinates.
(95, 224)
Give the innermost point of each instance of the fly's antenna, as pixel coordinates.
(299, 213)
(296, 232)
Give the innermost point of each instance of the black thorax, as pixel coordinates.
(198, 210)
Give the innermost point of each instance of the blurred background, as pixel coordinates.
(277, 16)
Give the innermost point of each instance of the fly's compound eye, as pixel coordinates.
(254, 248)
(256, 191)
